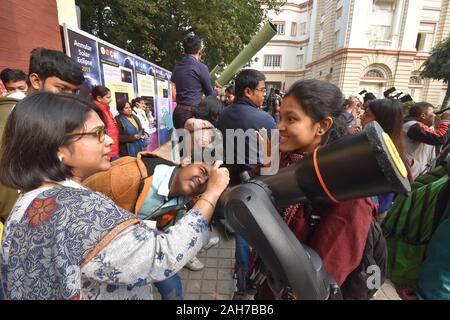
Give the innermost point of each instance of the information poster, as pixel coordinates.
(117, 73)
(163, 105)
(83, 50)
(127, 76)
(145, 88)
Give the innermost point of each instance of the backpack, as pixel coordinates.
(128, 182)
(359, 284)
(411, 222)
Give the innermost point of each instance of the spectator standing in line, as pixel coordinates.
(421, 138)
(101, 96)
(192, 81)
(53, 71)
(229, 95)
(14, 80)
(131, 134)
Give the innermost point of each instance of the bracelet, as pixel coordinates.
(213, 206)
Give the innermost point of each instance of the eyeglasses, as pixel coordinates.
(262, 90)
(100, 133)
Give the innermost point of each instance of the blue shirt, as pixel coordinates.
(192, 80)
(246, 116)
(157, 201)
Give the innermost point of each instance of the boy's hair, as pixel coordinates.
(99, 91)
(51, 63)
(121, 105)
(230, 89)
(369, 96)
(248, 78)
(136, 101)
(192, 44)
(12, 75)
(417, 109)
(209, 109)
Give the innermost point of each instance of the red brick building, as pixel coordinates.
(25, 25)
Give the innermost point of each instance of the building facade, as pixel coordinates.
(357, 44)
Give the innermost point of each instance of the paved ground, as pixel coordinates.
(215, 281)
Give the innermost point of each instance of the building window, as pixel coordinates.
(379, 32)
(420, 41)
(302, 28)
(336, 39)
(293, 29)
(280, 27)
(415, 80)
(384, 5)
(272, 61)
(300, 58)
(424, 41)
(374, 74)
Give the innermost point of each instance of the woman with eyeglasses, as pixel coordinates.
(64, 241)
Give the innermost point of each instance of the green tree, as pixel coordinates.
(154, 30)
(437, 66)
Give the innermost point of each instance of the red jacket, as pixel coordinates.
(111, 127)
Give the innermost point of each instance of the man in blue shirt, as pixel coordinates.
(192, 81)
(250, 90)
(245, 114)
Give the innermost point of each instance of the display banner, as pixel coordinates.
(117, 68)
(83, 50)
(145, 88)
(127, 76)
(163, 105)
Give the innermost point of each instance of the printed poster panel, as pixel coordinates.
(145, 85)
(117, 73)
(83, 50)
(163, 105)
(165, 123)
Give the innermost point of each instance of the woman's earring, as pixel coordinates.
(60, 158)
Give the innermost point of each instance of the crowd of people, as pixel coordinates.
(80, 184)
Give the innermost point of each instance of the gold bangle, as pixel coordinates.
(210, 203)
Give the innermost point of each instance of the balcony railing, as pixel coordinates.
(380, 44)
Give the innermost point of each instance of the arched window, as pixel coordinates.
(415, 80)
(374, 73)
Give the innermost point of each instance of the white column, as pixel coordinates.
(397, 23)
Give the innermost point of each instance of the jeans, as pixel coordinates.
(242, 257)
(171, 288)
(2, 296)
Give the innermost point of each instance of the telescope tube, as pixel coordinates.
(258, 41)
